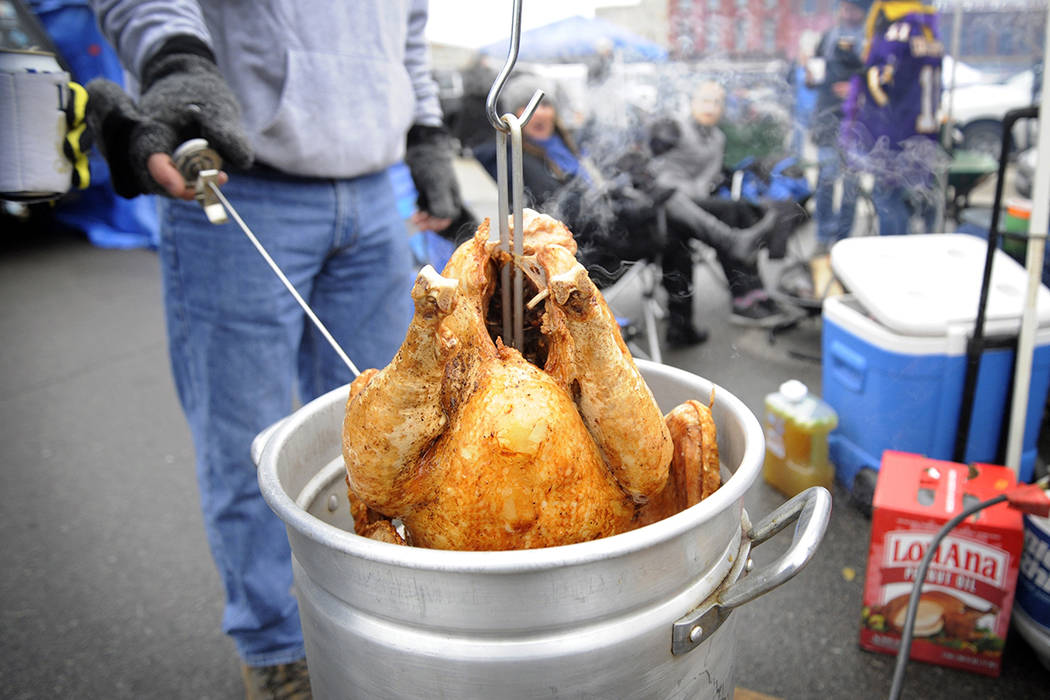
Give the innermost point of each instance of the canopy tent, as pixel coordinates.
(576, 39)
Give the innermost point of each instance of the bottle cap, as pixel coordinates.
(793, 390)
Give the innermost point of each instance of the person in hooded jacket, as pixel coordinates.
(309, 104)
(689, 158)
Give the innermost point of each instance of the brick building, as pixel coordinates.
(743, 28)
(1004, 32)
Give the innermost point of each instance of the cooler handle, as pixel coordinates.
(812, 510)
(848, 366)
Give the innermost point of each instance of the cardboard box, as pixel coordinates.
(964, 612)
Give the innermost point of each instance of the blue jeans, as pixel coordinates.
(892, 208)
(833, 226)
(895, 207)
(241, 348)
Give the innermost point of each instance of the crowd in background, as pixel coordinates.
(722, 155)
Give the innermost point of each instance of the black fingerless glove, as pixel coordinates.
(429, 154)
(183, 96)
(635, 164)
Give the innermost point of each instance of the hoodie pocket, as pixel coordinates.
(338, 115)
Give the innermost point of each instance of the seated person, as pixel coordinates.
(615, 219)
(688, 156)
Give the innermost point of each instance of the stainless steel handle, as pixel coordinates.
(812, 510)
(262, 439)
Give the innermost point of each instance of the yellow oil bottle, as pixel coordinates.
(796, 428)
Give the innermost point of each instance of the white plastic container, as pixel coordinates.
(930, 284)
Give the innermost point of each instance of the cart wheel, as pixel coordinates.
(862, 492)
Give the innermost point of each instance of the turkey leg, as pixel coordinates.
(397, 414)
(694, 467)
(615, 402)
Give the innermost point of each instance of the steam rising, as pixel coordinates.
(913, 165)
(609, 103)
(610, 120)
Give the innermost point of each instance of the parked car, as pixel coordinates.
(977, 110)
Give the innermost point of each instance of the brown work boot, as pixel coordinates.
(280, 682)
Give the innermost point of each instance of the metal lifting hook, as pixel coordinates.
(513, 322)
(501, 79)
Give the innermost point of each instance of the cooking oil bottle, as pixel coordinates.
(797, 426)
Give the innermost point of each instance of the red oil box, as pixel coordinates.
(964, 611)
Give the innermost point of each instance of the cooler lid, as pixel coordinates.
(924, 284)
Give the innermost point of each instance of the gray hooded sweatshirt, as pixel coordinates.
(327, 89)
(694, 165)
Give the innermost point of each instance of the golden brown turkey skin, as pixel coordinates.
(396, 412)
(515, 469)
(695, 465)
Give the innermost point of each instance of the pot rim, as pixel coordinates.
(519, 560)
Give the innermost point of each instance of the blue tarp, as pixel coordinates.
(577, 39)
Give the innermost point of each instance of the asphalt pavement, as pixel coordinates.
(109, 590)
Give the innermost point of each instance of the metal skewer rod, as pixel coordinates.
(280, 275)
(519, 228)
(504, 229)
(510, 241)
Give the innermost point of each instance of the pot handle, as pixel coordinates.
(261, 440)
(812, 510)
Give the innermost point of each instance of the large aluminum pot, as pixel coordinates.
(644, 614)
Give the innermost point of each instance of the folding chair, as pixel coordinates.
(642, 283)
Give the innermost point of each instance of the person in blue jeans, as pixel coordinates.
(836, 60)
(309, 104)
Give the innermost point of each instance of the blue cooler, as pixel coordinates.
(894, 350)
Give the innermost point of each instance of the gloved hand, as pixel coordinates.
(183, 96)
(428, 154)
(636, 166)
(663, 136)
